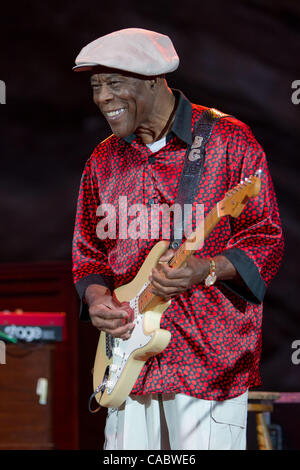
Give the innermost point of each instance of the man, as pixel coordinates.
(194, 394)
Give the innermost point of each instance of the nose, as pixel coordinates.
(103, 95)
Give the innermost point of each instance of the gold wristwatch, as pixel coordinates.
(211, 277)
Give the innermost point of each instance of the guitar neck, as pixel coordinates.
(183, 253)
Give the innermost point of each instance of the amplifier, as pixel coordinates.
(33, 326)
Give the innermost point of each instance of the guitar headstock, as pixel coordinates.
(235, 200)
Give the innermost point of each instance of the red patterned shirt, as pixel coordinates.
(215, 347)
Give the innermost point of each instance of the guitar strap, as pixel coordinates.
(192, 171)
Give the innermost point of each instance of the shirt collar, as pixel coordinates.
(182, 125)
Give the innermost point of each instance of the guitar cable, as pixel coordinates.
(100, 388)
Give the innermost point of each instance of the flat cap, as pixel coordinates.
(134, 50)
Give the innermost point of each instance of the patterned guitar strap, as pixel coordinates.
(192, 172)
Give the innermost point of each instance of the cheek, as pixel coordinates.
(140, 108)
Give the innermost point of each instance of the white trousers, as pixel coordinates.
(177, 422)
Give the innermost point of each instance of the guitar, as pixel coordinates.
(118, 362)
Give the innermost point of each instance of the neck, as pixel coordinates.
(162, 117)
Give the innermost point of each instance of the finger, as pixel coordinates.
(166, 291)
(108, 324)
(173, 273)
(105, 312)
(164, 295)
(162, 281)
(121, 332)
(127, 335)
(129, 311)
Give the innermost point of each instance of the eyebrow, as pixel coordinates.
(109, 77)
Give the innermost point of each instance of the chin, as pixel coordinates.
(121, 133)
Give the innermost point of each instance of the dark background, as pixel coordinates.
(238, 56)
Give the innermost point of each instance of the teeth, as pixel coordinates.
(115, 113)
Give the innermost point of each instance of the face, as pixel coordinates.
(125, 101)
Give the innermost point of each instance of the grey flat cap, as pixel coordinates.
(132, 50)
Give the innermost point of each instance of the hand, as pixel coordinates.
(109, 315)
(168, 282)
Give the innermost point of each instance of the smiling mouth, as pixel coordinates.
(114, 114)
